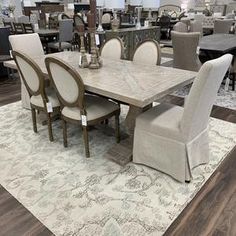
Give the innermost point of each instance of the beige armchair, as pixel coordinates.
(76, 107)
(113, 49)
(41, 99)
(185, 50)
(173, 139)
(148, 53)
(180, 27)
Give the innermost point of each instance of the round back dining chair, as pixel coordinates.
(180, 27)
(185, 50)
(113, 49)
(76, 107)
(148, 53)
(196, 26)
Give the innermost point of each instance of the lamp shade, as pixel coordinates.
(151, 3)
(100, 3)
(115, 4)
(136, 2)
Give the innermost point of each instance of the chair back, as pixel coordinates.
(34, 19)
(180, 27)
(164, 22)
(106, 18)
(34, 46)
(230, 16)
(65, 30)
(67, 82)
(19, 29)
(64, 16)
(222, 26)
(208, 21)
(185, 50)
(202, 95)
(28, 28)
(196, 26)
(199, 17)
(113, 49)
(148, 53)
(23, 19)
(78, 20)
(31, 74)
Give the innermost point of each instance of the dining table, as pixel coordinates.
(136, 85)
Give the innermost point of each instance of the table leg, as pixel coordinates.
(122, 152)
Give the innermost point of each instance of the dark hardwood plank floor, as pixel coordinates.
(212, 211)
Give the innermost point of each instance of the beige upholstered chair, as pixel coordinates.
(106, 18)
(65, 36)
(113, 49)
(208, 22)
(173, 139)
(180, 27)
(148, 53)
(196, 26)
(33, 49)
(76, 107)
(222, 26)
(185, 50)
(41, 99)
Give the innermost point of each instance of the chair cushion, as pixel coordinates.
(64, 45)
(163, 120)
(52, 97)
(96, 107)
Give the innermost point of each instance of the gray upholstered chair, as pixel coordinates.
(41, 98)
(196, 26)
(23, 19)
(148, 53)
(222, 26)
(173, 139)
(113, 49)
(65, 36)
(185, 50)
(180, 27)
(76, 107)
(230, 16)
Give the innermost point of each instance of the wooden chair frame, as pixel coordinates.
(158, 62)
(40, 91)
(78, 103)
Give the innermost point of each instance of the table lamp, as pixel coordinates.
(100, 6)
(115, 5)
(138, 4)
(150, 4)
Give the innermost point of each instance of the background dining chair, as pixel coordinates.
(148, 53)
(223, 26)
(28, 28)
(34, 49)
(18, 27)
(185, 50)
(40, 97)
(113, 49)
(23, 19)
(65, 36)
(76, 107)
(164, 23)
(173, 139)
(196, 26)
(180, 27)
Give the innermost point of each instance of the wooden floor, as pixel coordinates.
(212, 211)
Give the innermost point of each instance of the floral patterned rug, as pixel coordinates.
(73, 195)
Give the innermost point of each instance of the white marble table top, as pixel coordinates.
(125, 81)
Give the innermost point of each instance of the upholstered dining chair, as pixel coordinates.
(185, 50)
(180, 27)
(148, 53)
(76, 107)
(113, 49)
(173, 139)
(41, 98)
(222, 26)
(65, 36)
(196, 26)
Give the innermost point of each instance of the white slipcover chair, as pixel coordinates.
(173, 139)
(113, 49)
(31, 45)
(148, 53)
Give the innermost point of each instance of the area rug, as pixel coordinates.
(72, 195)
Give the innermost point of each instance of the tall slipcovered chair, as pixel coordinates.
(173, 139)
(185, 50)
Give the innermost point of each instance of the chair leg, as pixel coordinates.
(233, 81)
(117, 121)
(64, 126)
(50, 127)
(33, 112)
(86, 142)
